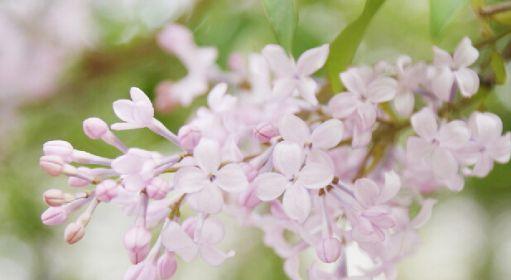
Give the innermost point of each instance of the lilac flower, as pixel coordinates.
(454, 71)
(293, 76)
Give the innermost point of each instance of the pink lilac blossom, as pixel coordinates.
(311, 176)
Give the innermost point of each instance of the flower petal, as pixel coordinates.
(123, 109)
(175, 239)
(381, 90)
(465, 54)
(231, 178)
(425, 124)
(390, 188)
(356, 79)
(270, 185)
(445, 166)
(279, 61)
(327, 135)
(453, 135)
(441, 57)
(207, 155)
(404, 103)
(190, 179)
(344, 104)
(211, 232)
(315, 176)
(307, 88)
(288, 158)
(296, 203)
(367, 115)
(468, 81)
(500, 151)
(213, 255)
(312, 60)
(294, 129)
(366, 192)
(442, 83)
(424, 214)
(208, 200)
(486, 127)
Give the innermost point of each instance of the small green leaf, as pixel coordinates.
(345, 45)
(499, 68)
(283, 17)
(441, 12)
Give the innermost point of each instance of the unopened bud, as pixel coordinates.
(54, 197)
(53, 165)
(264, 132)
(189, 137)
(166, 266)
(60, 148)
(54, 216)
(329, 249)
(95, 128)
(157, 189)
(78, 182)
(74, 232)
(106, 190)
(137, 241)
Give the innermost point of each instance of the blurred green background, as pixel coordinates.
(469, 236)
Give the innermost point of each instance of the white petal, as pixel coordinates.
(288, 158)
(216, 95)
(454, 135)
(294, 129)
(208, 200)
(404, 103)
(425, 124)
(211, 232)
(207, 155)
(279, 61)
(231, 178)
(307, 88)
(327, 135)
(418, 150)
(344, 104)
(137, 95)
(367, 115)
(391, 187)
(444, 165)
(483, 166)
(284, 87)
(312, 60)
(442, 83)
(468, 81)
(424, 214)
(382, 90)
(315, 176)
(123, 108)
(176, 240)
(485, 127)
(190, 179)
(270, 185)
(366, 192)
(297, 203)
(500, 151)
(356, 79)
(213, 255)
(441, 57)
(465, 54)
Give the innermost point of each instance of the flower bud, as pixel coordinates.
(53, 165)
(77, 182)
(54, 216)
(249, 199)
(329, 249)
(189, 136)
(264, 132)
(157, 188)
(60, 148)
(137, 241)
(74, 232)
(54, 197)
(106, 190)
(166, 266)
(141, 271)
(95, 128)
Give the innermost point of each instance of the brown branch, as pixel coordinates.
(495, 8)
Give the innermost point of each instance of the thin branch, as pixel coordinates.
(495, 9)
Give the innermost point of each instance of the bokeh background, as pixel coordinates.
(62, 61)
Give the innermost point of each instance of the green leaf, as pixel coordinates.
(283, 17)
(345, 45)
(441, 12)
(499, 68)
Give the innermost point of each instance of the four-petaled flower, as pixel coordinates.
(136, 113)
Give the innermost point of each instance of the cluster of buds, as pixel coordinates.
(266, 152)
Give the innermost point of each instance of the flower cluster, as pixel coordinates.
(313, 176)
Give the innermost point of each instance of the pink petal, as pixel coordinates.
(404, 103)
(465, 54)
(216, 96)
(468, 81)
(123, 109)
(307, 88)
(296, 203)
(367, 115)
(500, 151)
(208, 200)
(441, 57)
(213, 255)
(139, 96)
(418, 149)
(284, 87)
(270, 185)
(390, 188)
(442, 83)
(381, 90)
(312, 60)
(444, 165)
(292, 268)
(207, 155)
(190, 179)
(176, 240)
(483, 166)
(294, 129)
(231, 178)
(211, 232)
(315, 176)
(327, 135)
(425, 123)
(424, 214)
(355, 80)
(344, 104)
(288, 158)
(485, 127)
(366, 192)
(279, 61)
(453, 135)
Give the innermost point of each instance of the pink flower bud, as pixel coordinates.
(60, 148)
(189, 136)
(95, 128)
(54, 216)
(157, 189)
(328, 250)
(106, 190)
(74, 232)
(77, 182)
(249, 199)
(264, 132)
(166, 266)
(137, 241)
(53, 165)
(54, 197)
